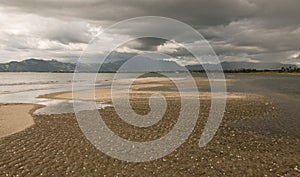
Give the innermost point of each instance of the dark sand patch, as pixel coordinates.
(55, 146)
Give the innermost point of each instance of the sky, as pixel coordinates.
(238, 30)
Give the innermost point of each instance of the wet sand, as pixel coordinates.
(15, 118)
(55, 145)
(143, 88)
(104, 95)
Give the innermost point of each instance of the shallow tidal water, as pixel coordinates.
(282, 89)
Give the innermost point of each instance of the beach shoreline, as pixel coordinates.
(56, 142)
(143, 88)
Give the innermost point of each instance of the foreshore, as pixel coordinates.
(142, 88)
(55, 145)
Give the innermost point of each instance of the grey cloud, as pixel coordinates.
(249, 36)
(277, 13)
(264, 30)
(148, 43)
(194, 12)
(68, 33)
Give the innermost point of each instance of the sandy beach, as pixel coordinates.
(55, 145)
(142, 88)
(15, 118)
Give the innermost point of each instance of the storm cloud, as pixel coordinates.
(238, 30)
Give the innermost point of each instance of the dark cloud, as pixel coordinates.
(260, 30)
(147, 44)
(277, 13)
(194, 12)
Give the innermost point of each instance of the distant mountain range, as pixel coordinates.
(140, 65)
(39, 65)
